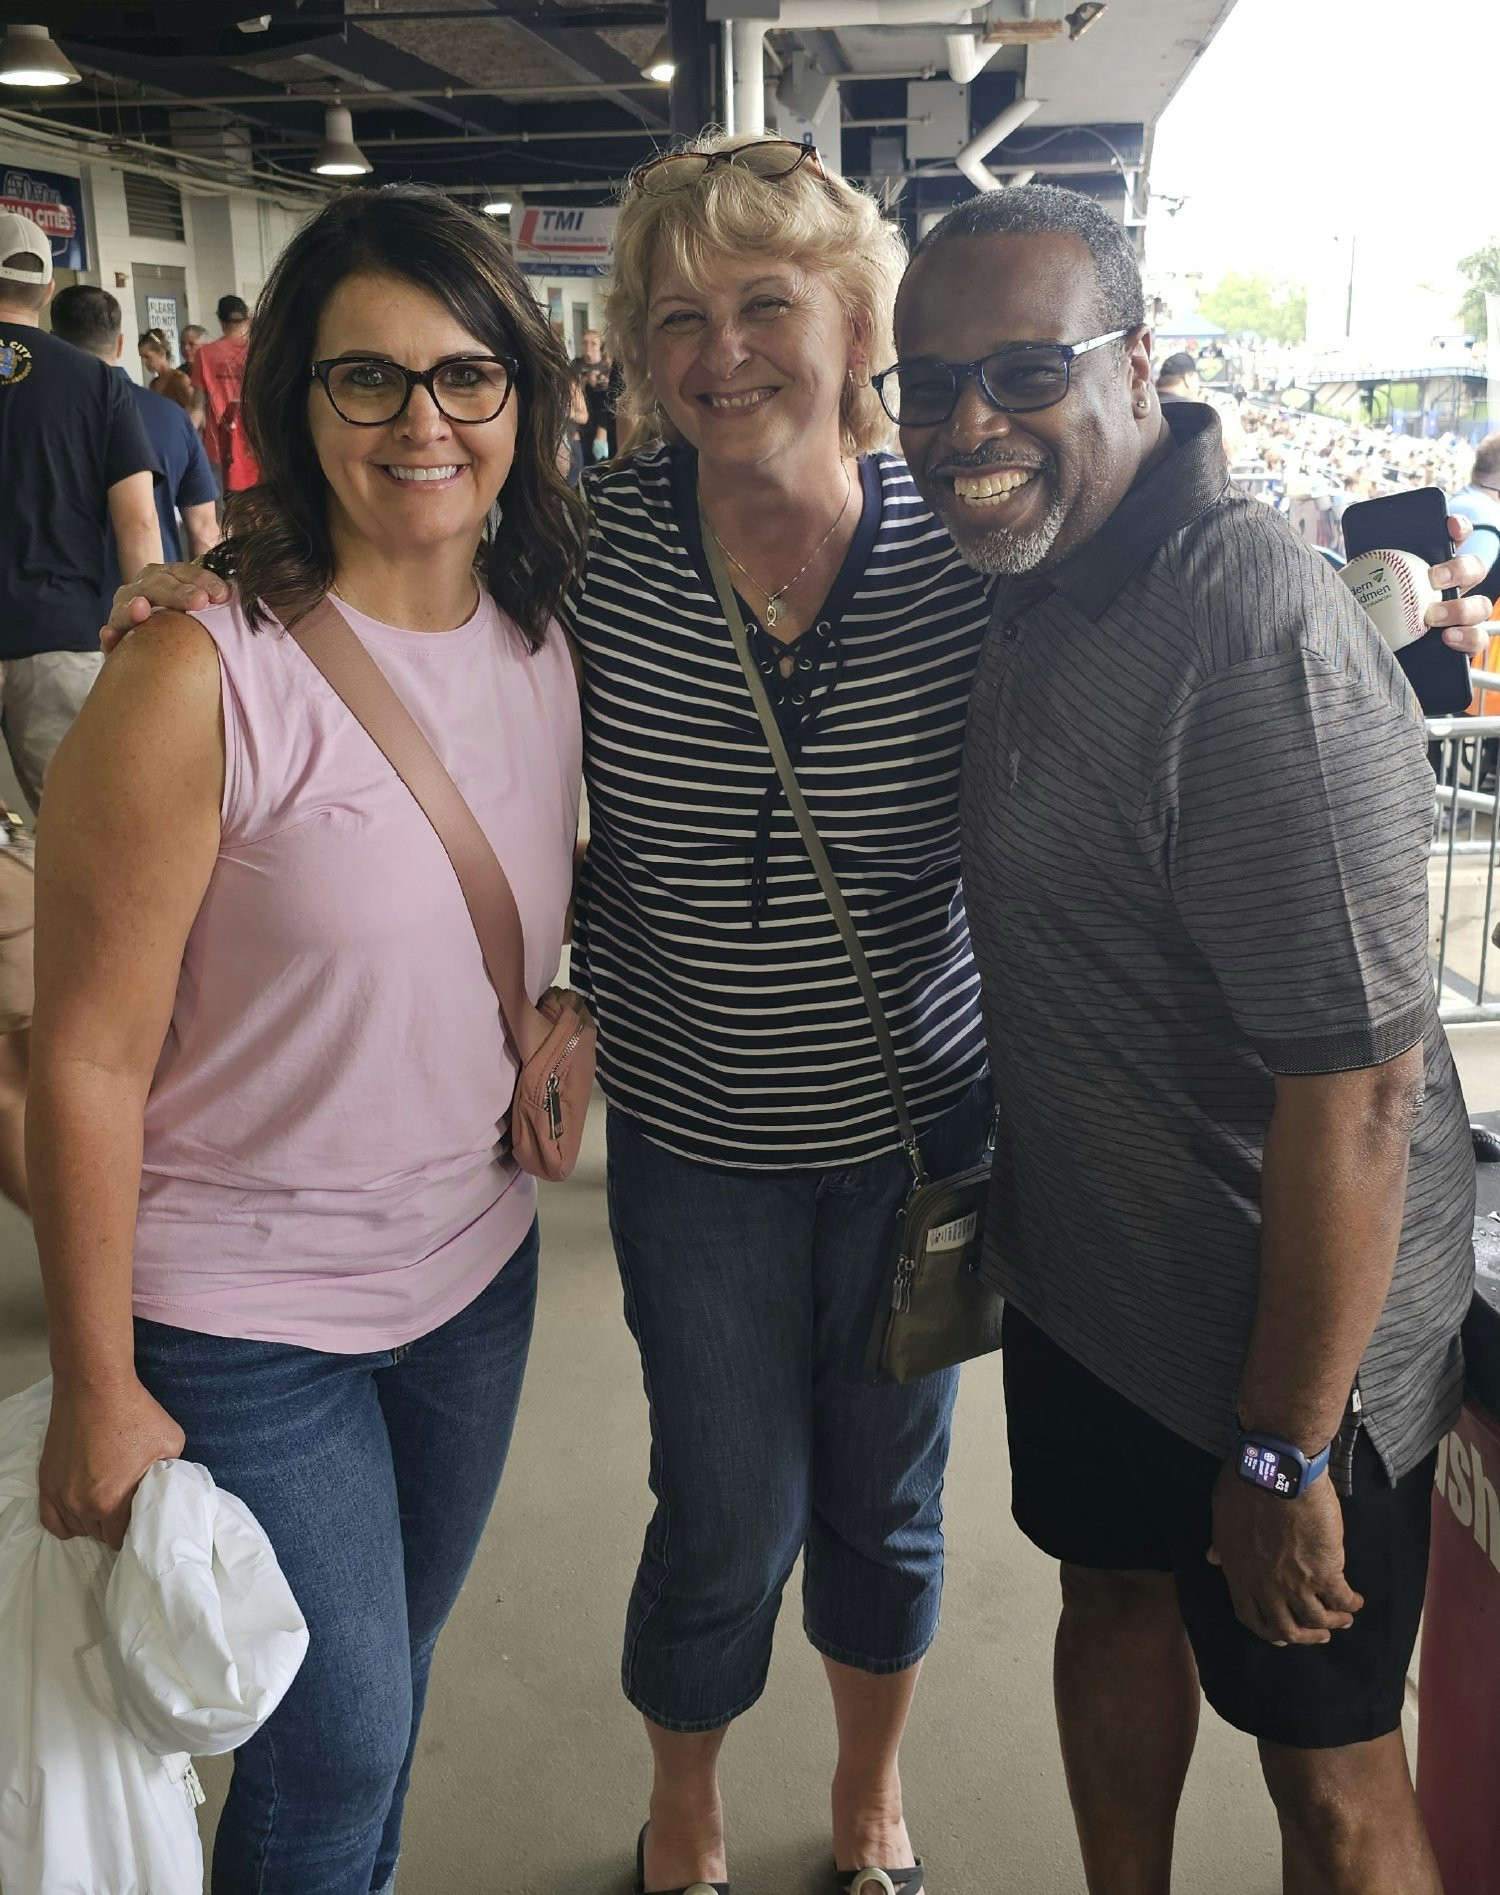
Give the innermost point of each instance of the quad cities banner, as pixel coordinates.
(56, 204)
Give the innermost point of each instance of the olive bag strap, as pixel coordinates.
(813, 843)
(937, 1311)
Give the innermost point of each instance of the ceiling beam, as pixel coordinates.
(329, 95)
(593, 59)
(376, 65)
(185, 83)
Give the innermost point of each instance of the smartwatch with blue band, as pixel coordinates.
(1277, 1466)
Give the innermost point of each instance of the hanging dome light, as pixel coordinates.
(340, 156)
(30, 57)
(661, 65)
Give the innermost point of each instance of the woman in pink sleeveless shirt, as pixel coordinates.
(280, 1229)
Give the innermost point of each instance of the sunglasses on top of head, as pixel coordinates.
(768, 158)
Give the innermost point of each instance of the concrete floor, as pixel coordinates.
(531, 1776)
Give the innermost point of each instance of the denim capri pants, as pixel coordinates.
(751, 1295)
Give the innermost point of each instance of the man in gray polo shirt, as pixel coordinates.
(1232, 1207)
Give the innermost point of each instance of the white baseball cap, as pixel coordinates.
(20, 237)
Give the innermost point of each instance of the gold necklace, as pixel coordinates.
(776, 601)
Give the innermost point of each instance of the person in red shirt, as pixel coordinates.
(218, 368)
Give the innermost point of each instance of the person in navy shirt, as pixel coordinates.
(74, 463)
(91, 320)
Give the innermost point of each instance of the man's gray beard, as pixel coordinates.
(1014, 553)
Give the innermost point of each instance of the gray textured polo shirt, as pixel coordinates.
(1196, 821)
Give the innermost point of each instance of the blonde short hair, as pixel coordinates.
(824, 226)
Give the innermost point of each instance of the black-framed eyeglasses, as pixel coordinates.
(767, 158)
(369, 392)
(1018, 379)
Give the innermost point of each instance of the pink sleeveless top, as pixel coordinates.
(322, 1136)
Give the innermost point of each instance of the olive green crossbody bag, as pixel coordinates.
(937, 1310)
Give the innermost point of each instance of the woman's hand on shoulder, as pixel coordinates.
(165, 678)
(179, 587)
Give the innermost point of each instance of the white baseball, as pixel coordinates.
(1394, 589)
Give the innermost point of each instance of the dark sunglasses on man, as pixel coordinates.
(1019, 379)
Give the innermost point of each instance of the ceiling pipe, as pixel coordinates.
(796, 15)
(380, 100)
(967, 55)
(379, 141)
(49, 138)
(970, 160)
(181, 101)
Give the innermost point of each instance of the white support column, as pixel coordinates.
(726, 55)
(749, 39)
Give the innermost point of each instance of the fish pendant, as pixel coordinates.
(773, 610)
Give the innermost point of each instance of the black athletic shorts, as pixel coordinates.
(1096, 1482)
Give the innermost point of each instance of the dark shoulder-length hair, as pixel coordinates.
(277, 550)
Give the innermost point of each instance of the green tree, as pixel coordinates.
(1483, 271)
(1254, 305)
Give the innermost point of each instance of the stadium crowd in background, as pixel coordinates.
(1311, 466)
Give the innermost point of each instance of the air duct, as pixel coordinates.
(804, 89)
(970, 160)
(968, 54)
(747, 39)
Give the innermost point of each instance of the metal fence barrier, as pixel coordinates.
(1464, 752)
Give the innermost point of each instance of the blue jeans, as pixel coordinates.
(751, 1295)
(373, 1476)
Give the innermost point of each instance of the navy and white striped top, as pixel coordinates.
(731, 1024)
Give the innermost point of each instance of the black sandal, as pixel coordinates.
(693, 1888)
(881, 1881)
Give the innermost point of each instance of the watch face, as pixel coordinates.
(1267, 1467)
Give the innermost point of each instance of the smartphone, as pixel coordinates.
(1416, 522)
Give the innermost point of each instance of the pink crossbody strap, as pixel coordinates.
(330, 643)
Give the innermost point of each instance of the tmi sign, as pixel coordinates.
(565, 241)
(1468, 1486)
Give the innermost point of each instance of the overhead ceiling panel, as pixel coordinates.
(1128, 64)
(279, 72)
(486, 52)
(636, 43)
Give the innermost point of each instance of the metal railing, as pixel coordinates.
(1465, 753)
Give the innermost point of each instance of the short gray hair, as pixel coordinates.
(1046, 210)
(1487, 461)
